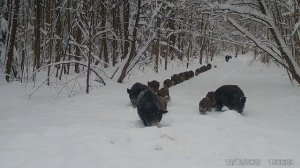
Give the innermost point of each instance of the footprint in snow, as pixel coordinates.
(158, 148)
(165, 136)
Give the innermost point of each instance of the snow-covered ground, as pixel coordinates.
(102, 129)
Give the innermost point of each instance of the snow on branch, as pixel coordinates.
(140, 53)
(70, 62)
(296, 29)
(247, 10)
(259, 44)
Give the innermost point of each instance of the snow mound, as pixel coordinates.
(230, 115)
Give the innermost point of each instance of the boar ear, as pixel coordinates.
(243, 99)
(162, 111)
(128, 91)
(148, 83)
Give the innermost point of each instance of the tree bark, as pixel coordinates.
(104, 38)
(171, 40)
(50, 35)
(201, 55)
(77, 51)
(10, 53)
(126, 17)
(132, 51)
(89, 62)
(156, 46)
(58, 46)
(297, 35)
(116, 22)
(78, 36)
(37, 50)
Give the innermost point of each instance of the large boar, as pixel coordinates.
(149, 108)
(231, 96)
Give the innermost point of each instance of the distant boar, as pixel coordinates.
(164, 97)
(205, 105)
(164, 92)
(175, 79)
(149, 108)
(181, 77)
(197, 72)
(231, 96)
(154, 85)
(208, 66)
(186, 75)
(203, 69)
(164, 103)
(167, 83)
(227, 58)
(191, 74)
(135, 91)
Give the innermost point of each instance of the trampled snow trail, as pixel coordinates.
(103, 130)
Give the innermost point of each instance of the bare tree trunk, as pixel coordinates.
(63, 66)
(202, 49)
(78, 36)
(190, 44)
(201, 55)
(50, 35)
(172, 40)
(22, 64)
(126, 17)
(155, 54)
(69, 18)
(37, 49)
(116, 23)
(104, 38)
(77, 51)
(180, 45)
(134, 39)
(203, 40)
(89, 61)
(8, 14)
(237, 48)
(156, 46)
(297, 37)
(13, 32)
(58, 46)
(190, 49)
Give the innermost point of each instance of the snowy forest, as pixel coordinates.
(108, 38)
(149, 83)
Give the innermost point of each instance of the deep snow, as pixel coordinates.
(102, 129)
